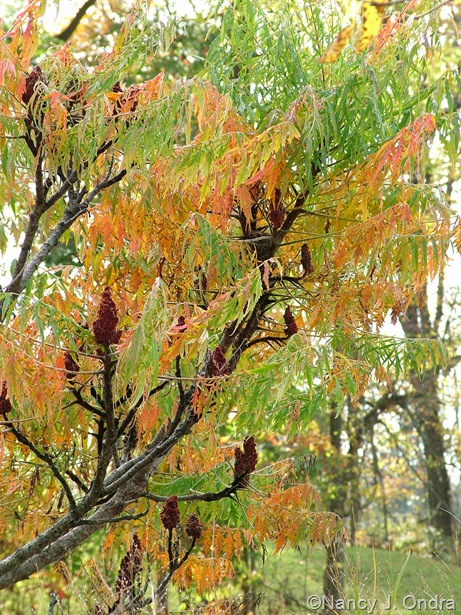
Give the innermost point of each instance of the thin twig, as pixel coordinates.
(435, 8)
(23, 439)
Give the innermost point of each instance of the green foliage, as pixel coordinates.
(199, 203)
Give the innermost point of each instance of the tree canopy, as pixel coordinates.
(242, 236)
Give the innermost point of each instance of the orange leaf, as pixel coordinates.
(392, 25)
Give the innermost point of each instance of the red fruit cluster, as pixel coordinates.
(32, 79)
(246, 460)
(170, 513)
(193, 527)
(72, 368)
(5, 404)
(306, 260)
(130, 567)
(276, 217)
(290, 324)
(105, 325)
(218, 364)
(276, 211)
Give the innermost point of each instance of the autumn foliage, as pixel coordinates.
(248, 231)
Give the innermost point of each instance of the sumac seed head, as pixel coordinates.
(32, 79)
(181, 326)
(306, 259)
(130, 567)
(217, 365)
(246, 460)
(170, 513)
(72, 368)
(105, 325)
(193, 527)
(290, 324)
(276, 217)
(5, 404)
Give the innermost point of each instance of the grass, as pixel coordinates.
(371, 574)
(288, 580)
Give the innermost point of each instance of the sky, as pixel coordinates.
(58, 15)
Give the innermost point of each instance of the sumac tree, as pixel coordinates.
(242, 236)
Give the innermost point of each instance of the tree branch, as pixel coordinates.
(83, 403)
(116, 519)
(174, 564)
(47, 459)
(77, 481)
(70, 29)
(62, 537)
(110, 435)
(34, 219)
(66, 184)
(208, 496)
(127, 420)
(73, 211)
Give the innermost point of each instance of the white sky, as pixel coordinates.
(57, 16)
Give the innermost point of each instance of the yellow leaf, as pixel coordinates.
(372, 17)
(334, 50)
(113, 96)
(457, 235)
(2, 447)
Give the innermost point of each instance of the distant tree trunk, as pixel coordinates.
(430, 428)
(355, 434)
(426, 417)
(73, 25)
(248, 606)
(333, 576)
(380, 481)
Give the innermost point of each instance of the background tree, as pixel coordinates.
(241, 241)
(411, 401)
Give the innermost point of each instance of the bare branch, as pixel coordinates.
(34, 218)
(77, 481)
(66, 184)
(174, 564)
(47, 459)
(110, 435)
(209, 496)
(116, 519)
(70, 29)
(73, 211)
(83, 403)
